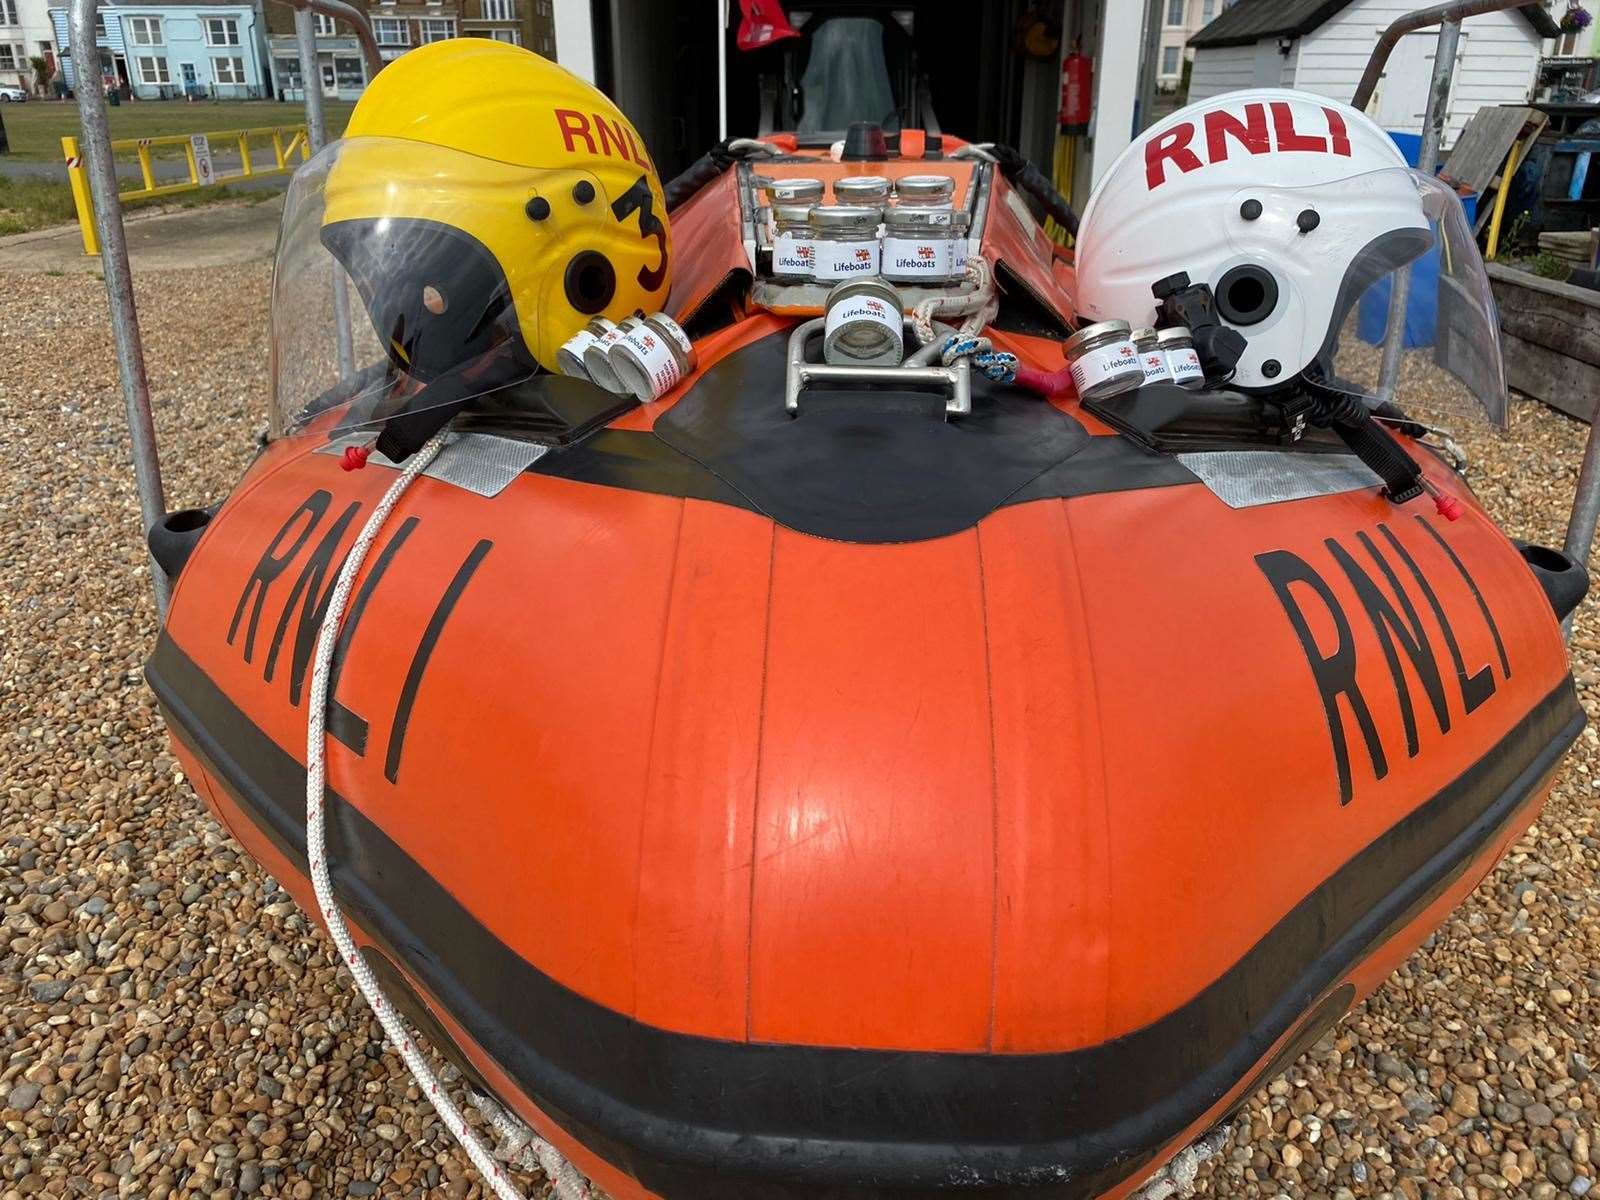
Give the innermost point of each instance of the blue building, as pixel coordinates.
(161, 51)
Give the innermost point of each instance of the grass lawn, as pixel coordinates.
(37, 127)
(30, 203)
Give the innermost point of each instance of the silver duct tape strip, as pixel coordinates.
(479, 463)
(1248, 478)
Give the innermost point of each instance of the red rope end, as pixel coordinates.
(355, 457)
(1449, 507)
(1045, 383)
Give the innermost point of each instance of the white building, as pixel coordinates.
(1323, 45)
(26, 33)
(1181, 20)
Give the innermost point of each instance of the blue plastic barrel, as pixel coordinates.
(1421, 303)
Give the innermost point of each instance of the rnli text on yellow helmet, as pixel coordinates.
(485, 197)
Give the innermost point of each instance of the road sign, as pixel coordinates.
(202, 159)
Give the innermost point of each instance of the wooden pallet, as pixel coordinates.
(1478, 160)
(1579, 246)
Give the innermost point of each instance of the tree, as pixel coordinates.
(41, 73)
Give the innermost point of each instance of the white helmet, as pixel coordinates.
(1288, 205)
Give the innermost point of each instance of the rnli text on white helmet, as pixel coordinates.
(1288, 205)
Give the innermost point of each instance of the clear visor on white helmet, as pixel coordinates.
(1392, 233)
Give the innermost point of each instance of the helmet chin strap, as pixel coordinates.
(1348, 413)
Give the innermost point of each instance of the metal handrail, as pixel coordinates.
(955, 381)
(1423, 18)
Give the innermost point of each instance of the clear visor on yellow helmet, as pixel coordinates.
(409, 275)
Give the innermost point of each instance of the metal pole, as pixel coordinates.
(1149, 62)
(722, 70)
(317, 134)
(1433, 121)
(357, 20)
(96, 143)
(310, 70)
(1585, 506)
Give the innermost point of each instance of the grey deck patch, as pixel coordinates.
(1248, 478)
(475, 462)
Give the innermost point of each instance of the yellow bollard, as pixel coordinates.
(145, 168)
(1492, 246)
(82, 200)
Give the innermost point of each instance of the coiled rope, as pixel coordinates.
(515, 1138)
(977, 308)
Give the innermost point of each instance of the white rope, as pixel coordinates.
(977, 307)
(568, 1184)
(1177, 1178)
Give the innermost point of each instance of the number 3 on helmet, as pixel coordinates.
(485, 203)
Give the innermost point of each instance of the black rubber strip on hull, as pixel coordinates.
(696, 1118)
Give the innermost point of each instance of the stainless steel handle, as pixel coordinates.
(955, 381)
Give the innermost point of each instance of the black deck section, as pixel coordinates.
(695, 1118)
(860, 464)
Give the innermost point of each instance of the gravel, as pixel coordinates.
(172, 1026)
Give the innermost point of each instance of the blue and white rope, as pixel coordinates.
(998, 365)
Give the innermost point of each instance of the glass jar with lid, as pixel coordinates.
(846, 241)
(1103, 359)
(1152, 358)
(798, 190)
(570, 357)
(924, 191)
(960, 222)
(864, 325)
(794, 247)
(653, 355)
(917, 245)
(871, 190)
(1183, 361)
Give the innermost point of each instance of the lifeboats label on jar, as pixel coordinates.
(793, 254)
(597, 360)
(573, 350)
(917, 258)
(1154, 363)
(846, 260)
(660, 365)
(867, 309)
(1108, 362)
(1184, 364)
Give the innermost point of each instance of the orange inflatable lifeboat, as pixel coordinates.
(876, 799)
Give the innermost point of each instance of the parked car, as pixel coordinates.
(12, 95)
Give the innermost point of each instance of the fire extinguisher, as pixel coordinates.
(1077, 92)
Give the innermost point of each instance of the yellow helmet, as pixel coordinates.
(485, 199)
